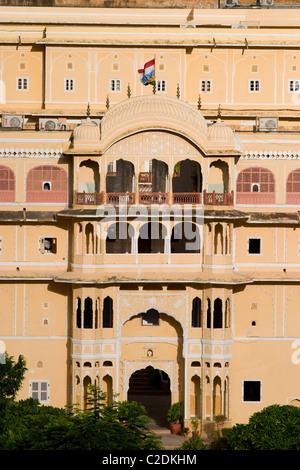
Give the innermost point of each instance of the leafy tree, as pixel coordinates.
(276, 427)
(115, 426)
(11, 376)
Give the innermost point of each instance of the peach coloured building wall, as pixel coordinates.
(85, 305)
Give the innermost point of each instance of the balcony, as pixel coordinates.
(218, 199)
(255, 198)
(88, 199)
(120, 198)
(153, 198)
(187, 198)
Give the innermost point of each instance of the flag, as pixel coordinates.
(147, 74)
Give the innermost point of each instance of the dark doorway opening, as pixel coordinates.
(151, 388)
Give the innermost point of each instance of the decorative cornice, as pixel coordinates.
(270, 155)
(30, 152)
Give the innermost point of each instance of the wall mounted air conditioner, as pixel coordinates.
(267, 124)
(48, 124)
(13, 120)
(266, 3)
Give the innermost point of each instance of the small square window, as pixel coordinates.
(70, 66)
(69, 84)
(205, 68)
(161, 67)
(254, 68)
(252, 390)
(22, 83)
(39, 390)
(254, 86)
(294, 85)
(116, 66)
(161, 86)
(205, 86)
(115, 85)
(22, 66)
(47, 245)
(254, 246)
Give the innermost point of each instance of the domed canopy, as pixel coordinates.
(86, 135)
(219, 132)
(153, 112)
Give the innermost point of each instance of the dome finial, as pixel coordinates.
(88, 110)
(219, 112)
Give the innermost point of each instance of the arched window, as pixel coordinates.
(208, 314)
(217, 321)
(255, 185)
(47, 183)
(185, 238)
(151, 317)
(293, 187)
(88, 313)
(119, 236)
(107, 314)
(196, 313)
(152, 238)
(78, 313)
(7, 184)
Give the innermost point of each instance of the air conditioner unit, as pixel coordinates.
(46, 124)
(13, 120)
(230, 3)
(266, 3)
(268, 124)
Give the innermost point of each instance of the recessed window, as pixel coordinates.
(116, 66)
(39, 390)
(252, 390)
(254, 246)
(254, 86)
(70, 66)
(69, 84)
(205, 86)
(255, 187)
(254, 306)
(46, 186)
(254, 68)
(115, 85)
(150, 318)
(161, 86)
(22, 66)
(22, 83)
(47, 245)
(205, 68)
(294, 85)
(161, 67)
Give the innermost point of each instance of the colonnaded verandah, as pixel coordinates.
(152, 231)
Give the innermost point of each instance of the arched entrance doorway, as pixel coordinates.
(151, 388)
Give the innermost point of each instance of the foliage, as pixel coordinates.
(220, 418)
(116, 426)
(174, 413)
(11, 375)
(194, 442)
(276, 427)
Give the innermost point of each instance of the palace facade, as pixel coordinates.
(152, 231)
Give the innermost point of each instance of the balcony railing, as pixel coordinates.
(88, 198)
(218, 199)
(187, 198)
(153, 198)
(120, 198)
(255, 198)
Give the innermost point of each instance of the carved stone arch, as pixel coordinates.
(174, 306)
(169, 367)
